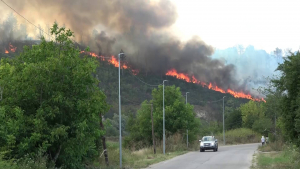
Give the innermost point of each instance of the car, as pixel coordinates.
(208, 143)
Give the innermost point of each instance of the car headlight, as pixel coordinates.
(212, 144)
(201, 144)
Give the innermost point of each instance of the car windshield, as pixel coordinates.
(208, 139)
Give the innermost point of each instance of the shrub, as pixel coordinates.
(239, 136)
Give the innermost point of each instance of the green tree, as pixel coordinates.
(288, 86)
(51, 102)
(234, 120)
(252, 111)
(262, 125)
(178, 116)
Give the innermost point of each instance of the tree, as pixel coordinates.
(278, 53)
(252, 111)
(51, 102)
(178, 116)
(234, 120)
(288, 86)
(262, 125)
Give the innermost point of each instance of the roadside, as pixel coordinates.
(143, 157)
(176, 145)
(276, 155)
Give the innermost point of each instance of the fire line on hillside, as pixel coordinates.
(11, 48)
(181, 76)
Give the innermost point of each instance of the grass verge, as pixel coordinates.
(144, 157)
(277, 157)
(136, 159)
(239, 136)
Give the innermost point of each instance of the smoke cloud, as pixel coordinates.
(141, 28)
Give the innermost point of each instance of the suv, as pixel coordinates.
(208, 143)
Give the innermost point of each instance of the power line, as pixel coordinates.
(100, 57)
(143, 81)
(213, 101)
(134, 103)
(25, 18)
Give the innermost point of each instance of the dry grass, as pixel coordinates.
(239, 136)
(141, 158)
(277, 156)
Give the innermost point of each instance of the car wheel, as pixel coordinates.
(215, 149)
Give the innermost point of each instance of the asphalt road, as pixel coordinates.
(227, 157)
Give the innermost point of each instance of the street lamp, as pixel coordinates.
(187, 130)
(223, 123)
(120, 55)
(164, 135)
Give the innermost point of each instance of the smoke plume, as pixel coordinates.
(141, 28)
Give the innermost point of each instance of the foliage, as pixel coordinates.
(239, 136)
(252, 111)
(262, 125)
(234, 120)
(112, 125)
(288, 86)
(179, 116)
(51, 100)
(286, 159)
(141, 158)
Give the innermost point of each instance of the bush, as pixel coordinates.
(262, 126)
(239, 136)
(38, 161)
(287, 159)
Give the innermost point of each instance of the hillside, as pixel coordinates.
(137, 88)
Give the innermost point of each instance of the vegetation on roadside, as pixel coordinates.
(239, 136)
(277, 155)
(144, 157)
(179, 114)
(51, 105)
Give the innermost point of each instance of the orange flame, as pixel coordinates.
(12, 48)
(112, 60)
(185, 77)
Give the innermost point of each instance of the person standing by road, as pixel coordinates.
(262, 140)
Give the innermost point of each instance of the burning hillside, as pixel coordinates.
(112, 60)
(143, 29)
(11, 48)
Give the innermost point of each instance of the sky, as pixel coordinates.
(265, 24)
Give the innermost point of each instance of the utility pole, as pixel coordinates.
(153, 136)
(275, 125)
(120, 122)
(164, 135)
(103, 136)
(223, 123)
(187, 130)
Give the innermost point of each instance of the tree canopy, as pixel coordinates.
(51, 102)
(252, 111)
(179, 116)
(289, 88)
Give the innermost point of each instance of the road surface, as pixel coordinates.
(227, 157)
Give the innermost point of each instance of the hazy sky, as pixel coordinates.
(266, 24)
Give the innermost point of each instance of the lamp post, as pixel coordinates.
(223, 123)
(187, 130)
(121, 54)
(164, 135)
